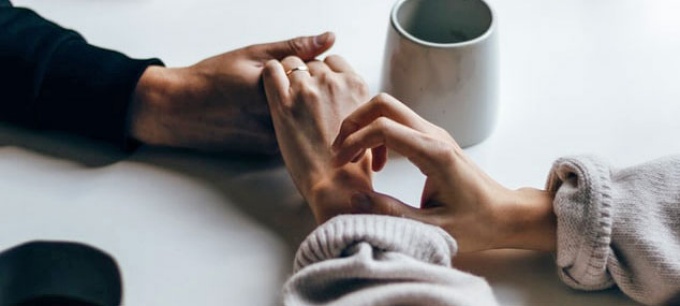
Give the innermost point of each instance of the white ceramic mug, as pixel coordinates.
(441, 60)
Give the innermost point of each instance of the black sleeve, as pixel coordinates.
(51, 78)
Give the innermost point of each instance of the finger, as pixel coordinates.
(413, 144)
(429, 193)
(338, 64)
(276, 83)
(317, 68)
(379, 158)
(359, 156)
(379, 106)
(306, 48)
(291, 64)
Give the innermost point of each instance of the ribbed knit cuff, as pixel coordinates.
(392, 234)
(583, 206)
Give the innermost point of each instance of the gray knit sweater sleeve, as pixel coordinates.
(379, 260)
(619, 226)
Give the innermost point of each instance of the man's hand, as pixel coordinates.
(218, 104)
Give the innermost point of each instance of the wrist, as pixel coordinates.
(332, 195)
(154, 93)
(528, 221)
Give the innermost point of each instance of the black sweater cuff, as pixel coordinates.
(88, 90)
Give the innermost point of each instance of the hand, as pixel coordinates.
(218, 104)
(458, 196)
(307, 109)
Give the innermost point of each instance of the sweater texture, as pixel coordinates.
(615, 227)
(380, 260)
(619, 226)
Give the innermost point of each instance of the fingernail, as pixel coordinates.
(320, 40)
(361, 203)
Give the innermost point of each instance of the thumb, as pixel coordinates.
(382, 204)
(306, 47)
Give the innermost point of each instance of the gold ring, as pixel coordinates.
(298, 68)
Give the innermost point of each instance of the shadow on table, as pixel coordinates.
(261, 188)
(529, 278)
(258, 186)
(62, 146)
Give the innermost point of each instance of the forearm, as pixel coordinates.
(51, 78)
(529, 221)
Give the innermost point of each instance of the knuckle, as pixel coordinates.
(290, 59)
(382, 124)
(441, 151)
(315, 64)
(269, 68)
(296, 45)
(382, 99)
(333, 57)
(446, 137)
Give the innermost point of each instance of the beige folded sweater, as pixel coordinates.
(615, 227)
(619, 227)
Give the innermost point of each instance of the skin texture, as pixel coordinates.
(325, 131)
(218, 104)
(307, 109)
(243, 101)
(458, 196)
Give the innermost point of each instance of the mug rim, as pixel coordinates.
(407, 35)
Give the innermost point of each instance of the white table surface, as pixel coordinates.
(193, 229)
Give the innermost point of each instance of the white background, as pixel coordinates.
(595, 77)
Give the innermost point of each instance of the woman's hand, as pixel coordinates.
(218, 104)
(458, 196)
(307, 108)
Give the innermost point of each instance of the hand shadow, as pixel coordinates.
(258, 186)
(89, 153)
